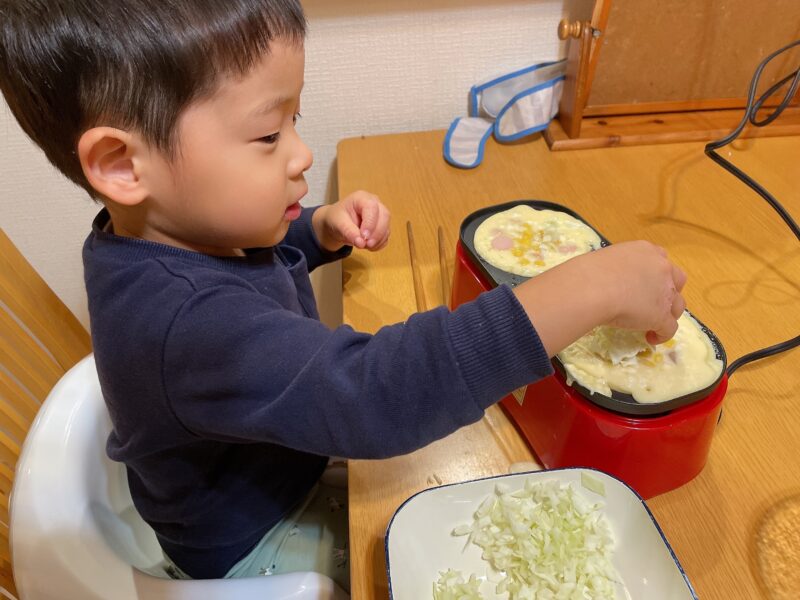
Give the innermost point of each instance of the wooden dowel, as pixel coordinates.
(443, 269)
(419, 291)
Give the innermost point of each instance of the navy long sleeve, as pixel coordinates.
(227, 394)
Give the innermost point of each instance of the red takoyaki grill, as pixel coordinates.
(654, 448)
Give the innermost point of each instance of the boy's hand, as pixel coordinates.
(629, 284)
(358, 220)
(649, 289)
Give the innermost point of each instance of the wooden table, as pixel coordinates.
(736, 527)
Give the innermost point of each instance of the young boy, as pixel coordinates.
(226, 393)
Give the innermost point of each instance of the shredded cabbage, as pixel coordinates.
(546, 542)
(451, 586)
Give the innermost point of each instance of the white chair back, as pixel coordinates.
(75, 534)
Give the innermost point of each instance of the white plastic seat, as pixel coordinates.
(75, 534)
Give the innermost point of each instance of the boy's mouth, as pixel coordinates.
(293, 212)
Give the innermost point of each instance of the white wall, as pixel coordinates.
(372, 67)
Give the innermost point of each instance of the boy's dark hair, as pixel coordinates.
(69, 65)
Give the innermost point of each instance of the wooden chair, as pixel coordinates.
(40, 339)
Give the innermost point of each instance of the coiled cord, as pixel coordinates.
(750, 114)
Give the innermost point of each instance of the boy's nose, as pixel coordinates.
(302, 159)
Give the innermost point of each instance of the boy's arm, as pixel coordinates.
(262, 373)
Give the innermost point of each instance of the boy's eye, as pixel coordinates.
(270, 139)
(274, 137)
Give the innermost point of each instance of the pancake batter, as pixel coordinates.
(526, 241)
(609, 358)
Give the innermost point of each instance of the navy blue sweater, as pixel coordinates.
(227, 394)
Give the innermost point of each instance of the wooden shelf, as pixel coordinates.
(665, 128)
(657, 71)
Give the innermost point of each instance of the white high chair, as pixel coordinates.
(75, 534)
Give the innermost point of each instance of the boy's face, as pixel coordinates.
(239, 171)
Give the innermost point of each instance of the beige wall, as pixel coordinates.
(373, 67)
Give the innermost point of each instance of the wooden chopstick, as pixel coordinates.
(444, 272)
(419, 291)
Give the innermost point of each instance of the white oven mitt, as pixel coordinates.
(464, 142)
(511, 106)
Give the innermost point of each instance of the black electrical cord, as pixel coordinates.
(750, 113)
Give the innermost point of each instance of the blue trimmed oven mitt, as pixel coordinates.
(511, 107)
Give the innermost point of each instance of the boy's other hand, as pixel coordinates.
(359, 220)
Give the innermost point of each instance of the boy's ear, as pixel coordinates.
(113, 162)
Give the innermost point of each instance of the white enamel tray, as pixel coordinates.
(420, 544)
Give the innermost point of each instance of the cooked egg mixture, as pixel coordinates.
(609, 358)
(526, 241)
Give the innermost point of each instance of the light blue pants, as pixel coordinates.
(311, 538)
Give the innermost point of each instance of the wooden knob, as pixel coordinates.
(567, 29)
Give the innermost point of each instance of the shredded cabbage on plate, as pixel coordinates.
(543, 542)
(451, 586)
